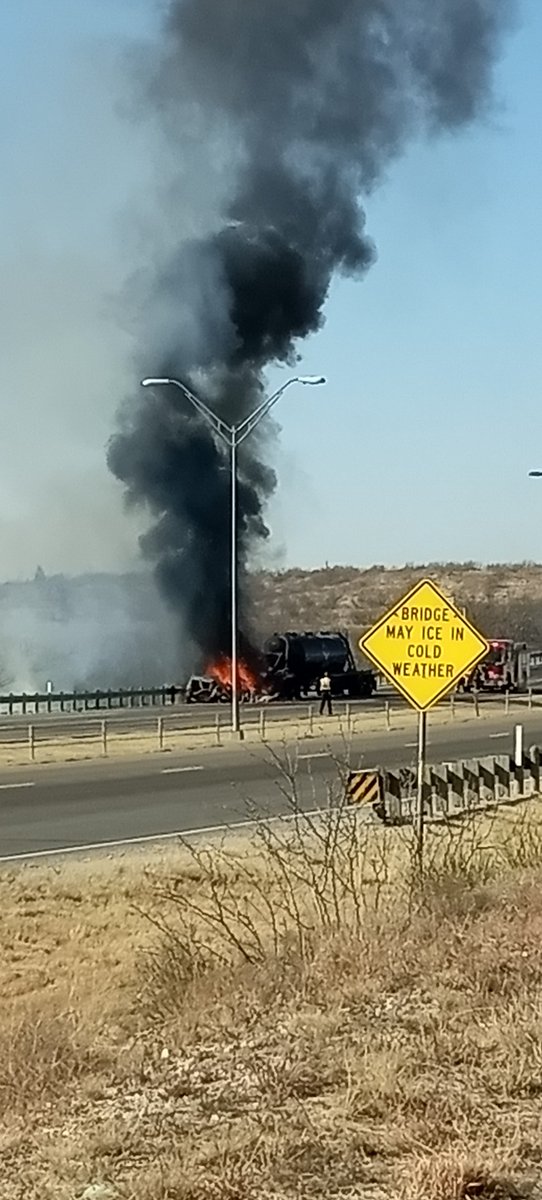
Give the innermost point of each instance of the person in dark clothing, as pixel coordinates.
(325, 693)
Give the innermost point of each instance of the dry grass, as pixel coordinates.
(291, 1017)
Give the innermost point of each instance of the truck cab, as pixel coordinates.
(504, 669)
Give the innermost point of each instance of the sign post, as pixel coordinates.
(424, 645)
(420, 809)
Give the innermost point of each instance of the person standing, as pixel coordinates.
(325, 693)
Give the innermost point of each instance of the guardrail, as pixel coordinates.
(91, 735)
(87, 734)
(34, 703)
(84, 701)
(103, 736)
(451, 789)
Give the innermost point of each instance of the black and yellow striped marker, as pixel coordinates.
(364, 787)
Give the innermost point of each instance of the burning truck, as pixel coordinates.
(290, 668)
(295, 663)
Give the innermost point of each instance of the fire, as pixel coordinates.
(222, 672)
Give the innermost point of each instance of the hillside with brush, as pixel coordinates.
(111, 630)
(504, 600)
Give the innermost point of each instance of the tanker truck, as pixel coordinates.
(290, 668)
(295, 663)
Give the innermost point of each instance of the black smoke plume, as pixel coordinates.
(296, 107)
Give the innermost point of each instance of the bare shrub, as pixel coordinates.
(461, 860)
(304, 880)
(523, 850)
(329, 881)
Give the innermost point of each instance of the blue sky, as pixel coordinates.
(419, 447)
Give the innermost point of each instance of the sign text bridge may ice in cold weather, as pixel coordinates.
(424, 646)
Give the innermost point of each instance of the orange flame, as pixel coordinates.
(222, 672)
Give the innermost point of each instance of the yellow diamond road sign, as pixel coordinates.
(424, 645)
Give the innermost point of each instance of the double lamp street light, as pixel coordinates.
(233, 436)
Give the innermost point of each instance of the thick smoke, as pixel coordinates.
(300, 105)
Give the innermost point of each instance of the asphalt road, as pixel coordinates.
(83, 807)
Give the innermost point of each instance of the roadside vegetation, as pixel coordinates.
(294, 1015)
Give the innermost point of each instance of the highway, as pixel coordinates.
(182, 716)
(82, 725)
(99, 805)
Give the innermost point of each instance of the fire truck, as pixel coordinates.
(508, 667)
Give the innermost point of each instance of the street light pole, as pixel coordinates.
(233, 436)
(234, 633)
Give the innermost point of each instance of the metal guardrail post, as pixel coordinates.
(518, 745)
(530, 699)
(311, 719)
(31, 743)
(104, 737)
(160, 733)
(534, 756)
(217, 728)
(507, 702)
(476, 698)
